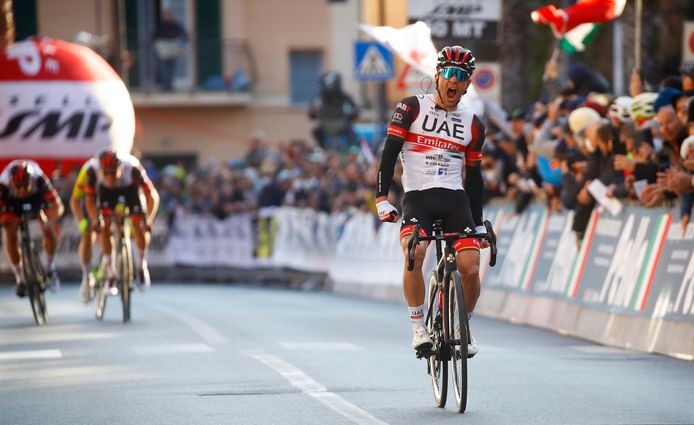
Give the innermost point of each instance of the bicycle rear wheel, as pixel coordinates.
(459, 331)
(436, 366)
(125, 277)
(35, 281)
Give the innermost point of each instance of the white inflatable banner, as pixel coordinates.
(61, 100)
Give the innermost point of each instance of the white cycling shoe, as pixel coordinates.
(421, 340)
(86, 288)
(472, 347)
(143, 281)
(53, 280)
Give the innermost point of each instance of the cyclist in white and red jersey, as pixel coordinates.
(434, 135)
(23, 182)
(113, 176)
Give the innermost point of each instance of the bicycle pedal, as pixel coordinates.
(426, 353)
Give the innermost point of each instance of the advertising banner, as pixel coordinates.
(466, 19)
(620, 266)
(672, 293)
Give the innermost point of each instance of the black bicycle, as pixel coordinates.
(34, 273)
(124, 281)
(446, 319)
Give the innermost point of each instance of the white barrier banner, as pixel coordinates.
(206, 241)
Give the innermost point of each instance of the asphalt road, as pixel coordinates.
(216, 354)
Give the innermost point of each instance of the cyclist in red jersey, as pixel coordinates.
(23, 182)
(435, 135)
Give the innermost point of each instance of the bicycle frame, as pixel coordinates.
(120, 232)
(445, 265)
(33, 269)
(449, 320)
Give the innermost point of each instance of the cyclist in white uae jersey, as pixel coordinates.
(434, 135)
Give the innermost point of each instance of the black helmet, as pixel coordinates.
(457, 57)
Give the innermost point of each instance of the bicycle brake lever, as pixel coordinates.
(491, 238)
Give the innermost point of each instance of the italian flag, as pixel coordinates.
(576, 24)
(575, 40)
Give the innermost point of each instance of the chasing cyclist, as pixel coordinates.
(87, 232)
(23, 182)
(113, 176)
(434, 136)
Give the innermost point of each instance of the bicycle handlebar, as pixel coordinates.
(489, 235)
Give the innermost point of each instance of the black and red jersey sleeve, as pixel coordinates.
(46, 189)
(4, 194)
(473, 153)
(140, 178)
(405, 113)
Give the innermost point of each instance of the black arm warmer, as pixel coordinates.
(388, 160)
(474, 186)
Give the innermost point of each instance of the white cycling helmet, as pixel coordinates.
(642, 108)
(687, 144)
(581, 117)
(621, 108)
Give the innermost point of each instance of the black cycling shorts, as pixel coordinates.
(14, 207)
(110, 197)
(452, 207)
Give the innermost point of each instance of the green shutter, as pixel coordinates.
(25, 21)
(208, 40)
(131, 41)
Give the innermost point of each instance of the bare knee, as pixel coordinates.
(468, 265)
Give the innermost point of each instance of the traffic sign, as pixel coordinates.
(372, 61)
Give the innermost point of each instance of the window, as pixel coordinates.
(305, 69)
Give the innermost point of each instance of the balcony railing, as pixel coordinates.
(201, 70)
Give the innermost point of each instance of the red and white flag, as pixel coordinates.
(561, 21)
(413, 45)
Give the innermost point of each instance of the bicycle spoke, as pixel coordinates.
(438, 368)
(457, 316)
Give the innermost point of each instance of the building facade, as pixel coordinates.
(244, 66)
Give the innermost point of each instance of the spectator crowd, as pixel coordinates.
(640, 147)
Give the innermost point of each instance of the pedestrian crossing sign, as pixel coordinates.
(372, 61)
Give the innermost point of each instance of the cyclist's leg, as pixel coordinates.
(467, 254)
(415, 212)
(458, 220)
(141, 233)
(10, 225)
(468, 262)
(49, 245)
(107, 200)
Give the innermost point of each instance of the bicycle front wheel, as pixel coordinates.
(436, 365)
(125, 277)
(459, 332)
(35, 278)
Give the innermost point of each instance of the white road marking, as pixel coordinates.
(319, 346)
(146, 350)
(314, 389)
(26, 338)
(207, 332)
(33, 355)
(599, 349)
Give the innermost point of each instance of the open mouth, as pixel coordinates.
(451, 93)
